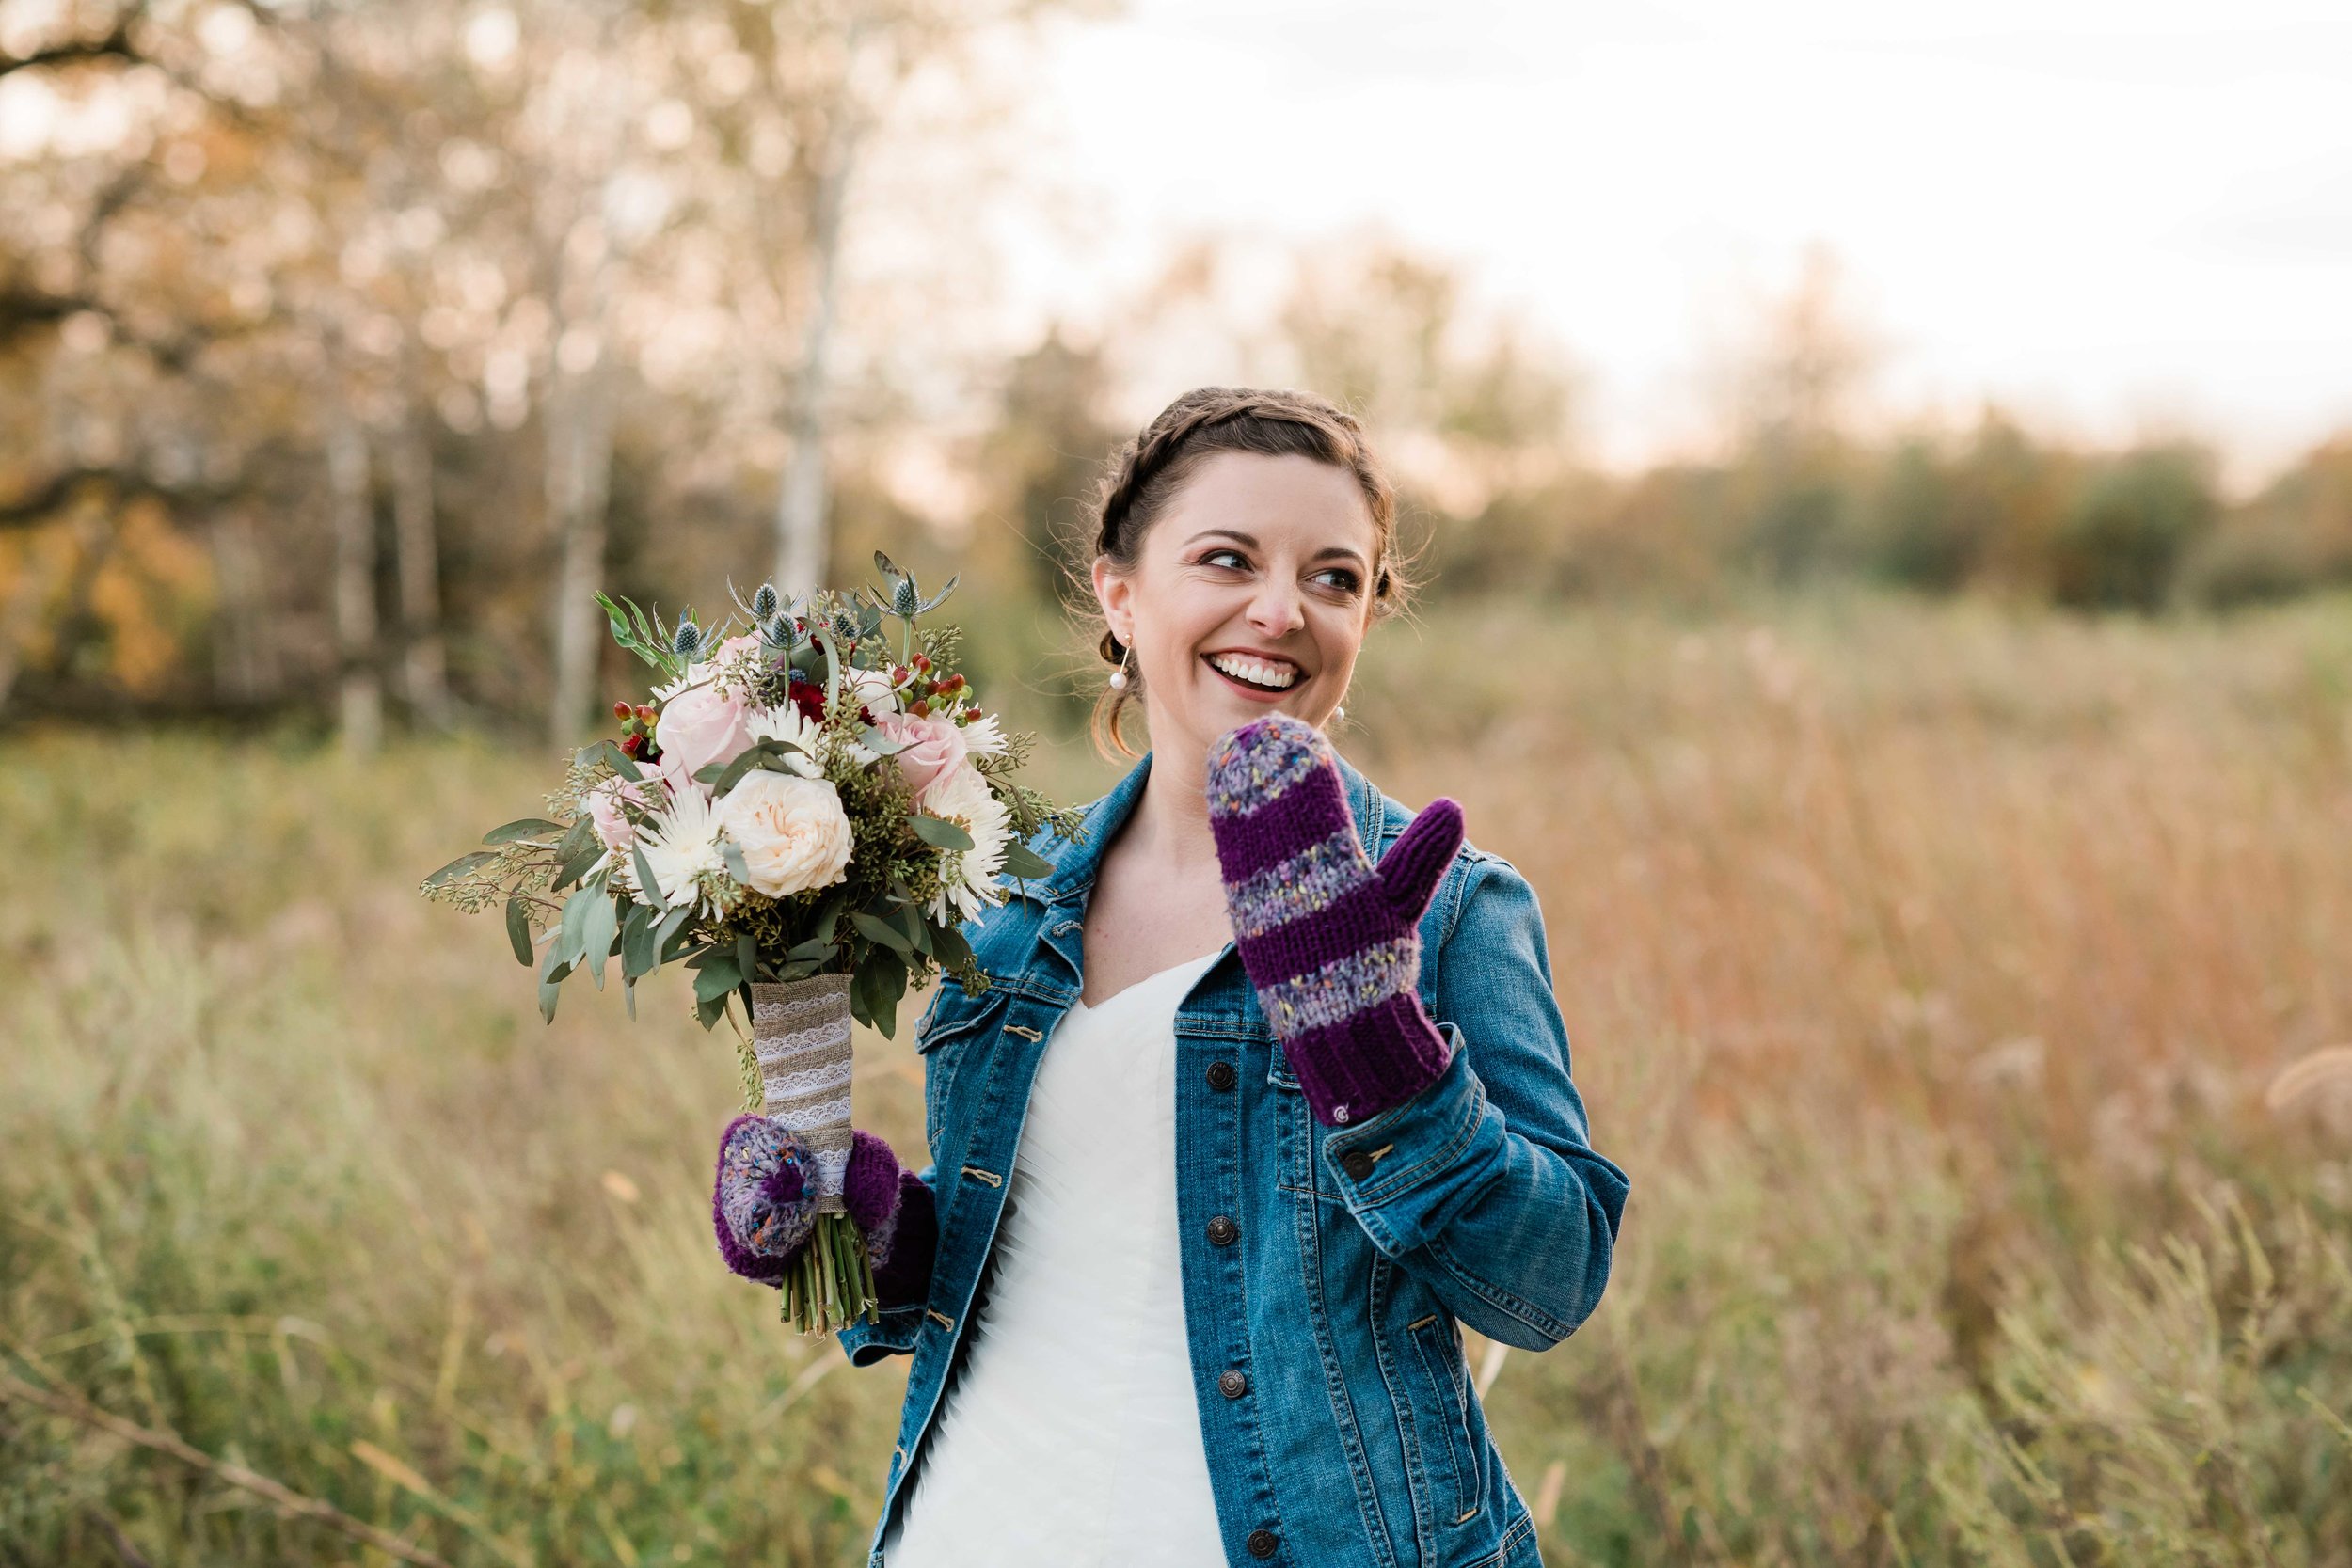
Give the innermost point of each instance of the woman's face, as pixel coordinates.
(1252, 594)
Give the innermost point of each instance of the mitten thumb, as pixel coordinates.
(869, 1183)
(1408, 872)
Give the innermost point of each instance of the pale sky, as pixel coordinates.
(2111, 215)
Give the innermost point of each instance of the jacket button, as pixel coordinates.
(1357, 1164)
(1221, 1076)
(1232, 1383)
(1264, 1542)
(1222, 1229)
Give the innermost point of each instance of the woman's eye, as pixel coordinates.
(1211, 559)
(1346, 582)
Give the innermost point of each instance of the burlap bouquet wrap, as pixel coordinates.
(801, 1034)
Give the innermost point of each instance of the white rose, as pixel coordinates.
(793, 832)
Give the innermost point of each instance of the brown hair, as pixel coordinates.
(1143, 476)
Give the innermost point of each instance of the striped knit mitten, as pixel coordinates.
(1331, 942)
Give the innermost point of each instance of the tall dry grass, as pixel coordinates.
(1928, 969)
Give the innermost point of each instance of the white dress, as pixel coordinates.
(1071, 1435)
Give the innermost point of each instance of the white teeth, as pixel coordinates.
(1256, 671)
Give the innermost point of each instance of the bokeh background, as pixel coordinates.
(1884, 485)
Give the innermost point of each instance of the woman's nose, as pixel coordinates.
(1275, 610)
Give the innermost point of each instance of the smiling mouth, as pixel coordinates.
(1257, 674)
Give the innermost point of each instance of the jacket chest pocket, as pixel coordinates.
(1294, 1128)
(952, 1029)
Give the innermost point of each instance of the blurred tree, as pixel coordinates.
(2130, 525)
(2295, 535)
(1049, 443)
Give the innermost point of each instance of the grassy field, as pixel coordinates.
(1940, 976)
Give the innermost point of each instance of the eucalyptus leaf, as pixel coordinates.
(596, 933)
(1021, 861)
(647, 885)
(880, 931)
(940, 832)
(733, 854)
(880, 744)
(519, 929)
(717, 978)
(637, 948)
(578, 867)
(549, 992)
(524, 826)
(622, 763)
(949, 944)
(628, 993)
(918, 930)
(815, 948)
(571, 932)
(459, 867)
(582, 834)
(672, 938)
(747, 955)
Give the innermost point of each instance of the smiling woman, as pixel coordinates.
(1267, 528)
(1221, 1162)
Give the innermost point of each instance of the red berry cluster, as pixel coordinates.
(927, 689)
(636, 731)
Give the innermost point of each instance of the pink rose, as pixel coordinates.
(604, 810)
(699, 727)
(742, 642)
(932, 747)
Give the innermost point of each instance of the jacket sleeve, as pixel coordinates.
(903, 1284)
(1485, 1184)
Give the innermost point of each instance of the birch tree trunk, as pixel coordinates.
(352, 518)
(801, 542)
(424, 679)
(580, 466)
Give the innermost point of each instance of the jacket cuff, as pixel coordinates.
(865, 1344)
(1391, 1170)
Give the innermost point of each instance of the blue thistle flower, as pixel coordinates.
(686, 640)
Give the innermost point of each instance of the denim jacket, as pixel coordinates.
(1330, 1265)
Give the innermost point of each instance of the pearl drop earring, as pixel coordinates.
(1339, 712)
(1119, 676)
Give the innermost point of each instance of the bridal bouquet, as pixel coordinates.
(802, 815)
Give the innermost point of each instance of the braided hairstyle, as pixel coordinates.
(1142, 477)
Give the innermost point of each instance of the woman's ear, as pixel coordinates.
(1113, 592)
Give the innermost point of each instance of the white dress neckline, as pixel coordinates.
(1071, 1435)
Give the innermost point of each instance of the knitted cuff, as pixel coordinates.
(1369, 1061)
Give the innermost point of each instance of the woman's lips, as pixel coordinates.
(1261, 693)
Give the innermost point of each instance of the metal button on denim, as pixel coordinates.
(1221, 1075)
(1357, 1164)
(1264, 1542)
(1222, 1229)
(1232, 1383)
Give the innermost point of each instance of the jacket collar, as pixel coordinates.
(1075, 865)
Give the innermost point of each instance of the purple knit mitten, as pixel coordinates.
(763, 1209)
(1331, 942)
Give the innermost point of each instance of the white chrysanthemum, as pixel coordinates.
(984, 737)
(968, 877)
(681, 848)
(786, 721)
